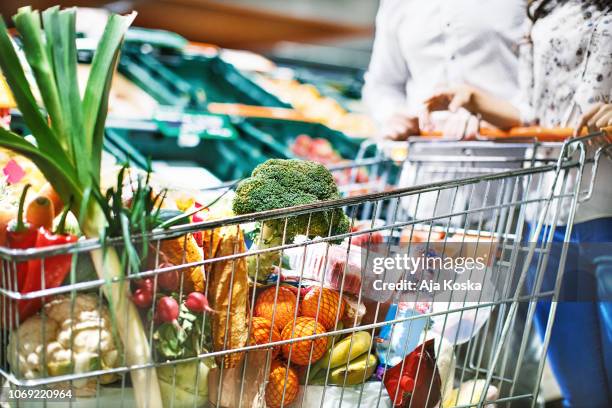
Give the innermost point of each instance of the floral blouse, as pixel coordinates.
(566, 65)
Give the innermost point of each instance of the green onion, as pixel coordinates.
(68, 150)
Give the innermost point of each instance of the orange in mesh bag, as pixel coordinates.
(325, 303)
(262, 332)
(279, 307)
(281, 378)
(299, 352)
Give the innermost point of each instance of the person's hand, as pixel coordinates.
(599, 116)
(451, 100)
(401, 127)
(461, 125)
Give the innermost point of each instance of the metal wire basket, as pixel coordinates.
(483, 206)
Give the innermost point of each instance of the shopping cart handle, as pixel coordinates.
(540, 133)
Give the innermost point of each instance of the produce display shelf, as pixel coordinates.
(226, 159)
(341, 83)
(286, 131)
(229, 159)
(192, 80)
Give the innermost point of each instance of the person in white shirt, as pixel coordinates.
(421, 46)
(566, 78)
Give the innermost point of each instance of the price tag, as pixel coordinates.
(190, 127)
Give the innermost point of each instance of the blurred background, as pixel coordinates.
(243, 80)
(337, 32)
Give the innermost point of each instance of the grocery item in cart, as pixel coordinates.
(338, 267)
(415, 381)
(27, 231)
(228, 290)
(395, 341)
(283, 385)
(279, 184)
(470, 392)
(457, 325)
(185, 250)
(277, 306)
(324, 305)
(341, 353)
(303, 352)
(350, 361)
(243, 386)
(354, 311)
(72, 336)
(369, 394)
(185, 384)
(357, 371)
(419, 233)
(263, 332)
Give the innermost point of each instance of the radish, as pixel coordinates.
(142, 298)
(145, 284)
(168, 280)
(196, 302)
(167, 309)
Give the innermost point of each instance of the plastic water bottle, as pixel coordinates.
(398, 340)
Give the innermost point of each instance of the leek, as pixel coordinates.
(68, 148)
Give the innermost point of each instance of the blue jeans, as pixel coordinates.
(580, 349)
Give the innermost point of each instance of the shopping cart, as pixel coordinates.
(451, 353)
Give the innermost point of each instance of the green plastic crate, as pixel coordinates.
(343, 84)
(226, 159)
(192, 81)
(284, 132)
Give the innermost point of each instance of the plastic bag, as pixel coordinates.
(353, 396)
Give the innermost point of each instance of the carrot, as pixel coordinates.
(40, 213)
(49, 192)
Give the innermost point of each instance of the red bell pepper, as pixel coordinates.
(21, 235)
(49, 272)
(37, 274)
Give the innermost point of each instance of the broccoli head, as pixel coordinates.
(287, 183)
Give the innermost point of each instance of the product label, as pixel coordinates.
(189, 127)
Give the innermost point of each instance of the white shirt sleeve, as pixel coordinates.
(385, 82)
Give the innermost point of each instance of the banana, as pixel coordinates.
(337, 337)
(339, 355)
(358, 371)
